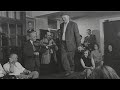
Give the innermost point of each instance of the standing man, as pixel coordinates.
(90, 40)
(70, 41)
(31, 62)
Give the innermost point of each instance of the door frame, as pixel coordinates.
(102, 31)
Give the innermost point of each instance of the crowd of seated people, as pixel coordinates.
(92, 60)
(94, 67)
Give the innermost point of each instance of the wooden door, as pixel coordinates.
(112, 35)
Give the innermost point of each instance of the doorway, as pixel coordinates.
(111, 30)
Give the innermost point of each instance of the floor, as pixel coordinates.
(75, 75)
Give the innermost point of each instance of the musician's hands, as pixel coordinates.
(86, 44)
(36, 53)
(47, 47)
(80, 48)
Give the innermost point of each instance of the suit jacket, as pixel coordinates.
(30, 60)
(91, 39)
(72, 36)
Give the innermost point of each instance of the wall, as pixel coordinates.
(29, 14)
(41, 23)
(92, 23)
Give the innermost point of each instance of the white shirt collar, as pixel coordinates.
(66, 23)
(31, 42)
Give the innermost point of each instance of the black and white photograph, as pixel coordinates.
(59, 44)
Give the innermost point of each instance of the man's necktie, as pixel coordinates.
(34, 47)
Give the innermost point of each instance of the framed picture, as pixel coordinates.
(30, 23)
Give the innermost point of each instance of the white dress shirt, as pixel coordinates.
(64, 30)
(33, 45)
(1, 71)
(18, 68)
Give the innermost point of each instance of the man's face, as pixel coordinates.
(13, 58)
(86, 53)
(33, 36)
(110, 48)
(65, 18)
(49, 36)
(89, 32)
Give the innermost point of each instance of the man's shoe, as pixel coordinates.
(71, 72)
(67, 74)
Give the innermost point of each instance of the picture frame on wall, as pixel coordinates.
(30, 23)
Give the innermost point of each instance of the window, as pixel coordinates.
(19, 35)
(12, 34)
(4, 27)
(52, 24)
(17, 14)
(3, 13)
(11, 14)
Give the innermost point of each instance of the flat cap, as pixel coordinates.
(30, 31)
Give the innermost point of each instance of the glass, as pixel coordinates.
(4, 27)
(19, 40)
(12, 29)
(3, 13)
(17, 14)
(11, 14)
(12, 34)
(19, 29)
(52, 24)
(13, 40)
(19, 34)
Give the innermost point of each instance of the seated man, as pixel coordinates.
(2, 72)
(13, 67)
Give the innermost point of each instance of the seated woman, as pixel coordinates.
(14, 68)
(87, 63)
(104, 72)
(96, 56)
(109, 54)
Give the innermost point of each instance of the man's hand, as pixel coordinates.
(47, 47)
(26, 71)
(80, 48)
(36, 53)
(92, 68)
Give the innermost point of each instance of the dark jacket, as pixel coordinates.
(91, 40)
(72, 36)
(30, 60)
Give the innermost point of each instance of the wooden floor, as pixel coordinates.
(52, 76)
(75, 75)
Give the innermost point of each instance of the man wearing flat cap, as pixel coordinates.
(30, 62)
(70, 41)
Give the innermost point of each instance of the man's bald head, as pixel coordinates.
(13, 58)
(65, 18)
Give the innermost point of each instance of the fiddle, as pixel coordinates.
(37, 43)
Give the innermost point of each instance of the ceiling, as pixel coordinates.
(72, 14)
(41, 13)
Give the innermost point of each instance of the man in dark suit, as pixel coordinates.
(31, 61)
(90, 40)
(70, 41)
